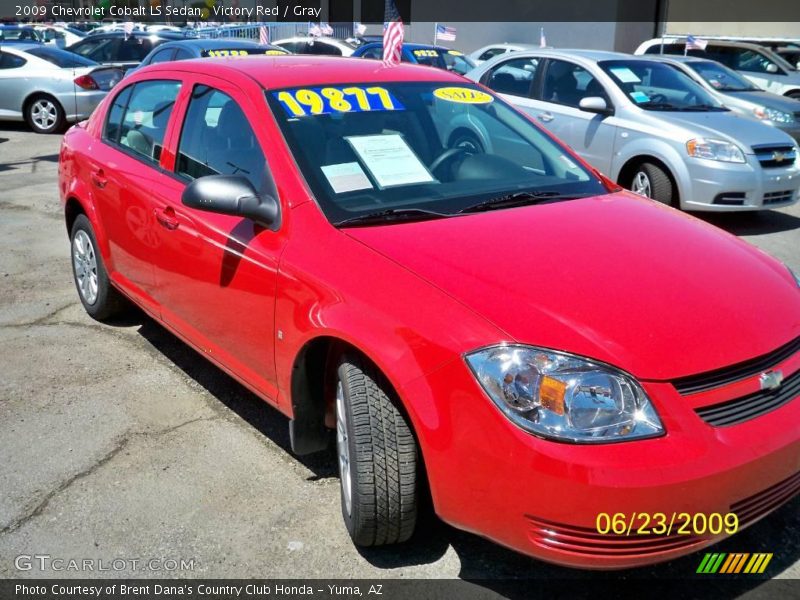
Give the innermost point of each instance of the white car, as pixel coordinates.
(307, 44)
(59, 36)
(492, 50)
(760, 65)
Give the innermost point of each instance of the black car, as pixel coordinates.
(117, 48)
(203, 48)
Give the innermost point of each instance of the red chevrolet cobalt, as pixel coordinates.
(397, 258)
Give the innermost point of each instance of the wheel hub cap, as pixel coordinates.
(44, 114)
(641, 185)
(343, 449)
(85, 262)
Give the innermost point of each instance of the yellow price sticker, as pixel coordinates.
(275, 52)
(463, 95)
(428, 53)
(327, 100)
(220, 53)
(455, 53)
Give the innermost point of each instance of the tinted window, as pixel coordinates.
(295, 47)
(491, 53)
(749, 60)
(514, 76)
(162, 56)
(134, 49)
(100, 50)
(61, 58)
(373, 53)
(183, 54)
(217, 139)
(567, 83)
(145, 119)
(322, 48)
(9, 61)
(115, 114)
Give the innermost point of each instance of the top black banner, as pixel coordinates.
(372, 11)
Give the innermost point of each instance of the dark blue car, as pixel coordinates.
(422, 54)
(204, 48)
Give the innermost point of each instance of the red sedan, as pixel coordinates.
(397, 258)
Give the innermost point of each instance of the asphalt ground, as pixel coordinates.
(119, 441)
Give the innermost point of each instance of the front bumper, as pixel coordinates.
(719, 186)
(543, 498)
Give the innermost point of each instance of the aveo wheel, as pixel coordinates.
(44, 114)
(98, 297)
(377, 457)
(653, 182)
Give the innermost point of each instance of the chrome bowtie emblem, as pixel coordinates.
(771, 380)
(778, 156)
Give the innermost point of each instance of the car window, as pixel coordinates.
(113, 127)
(752, 61)
(721, 77)
(491, 53)
(144, 121)
(568, 83)
(217, 139)
(322, 48)
(457, 62)
(162, 56)
(99, 50)
(376, 53)
(183, 54)
(61, 58)
(10, 61)
(513, 76)
(428, 145)
(134, 49)
(293, 47)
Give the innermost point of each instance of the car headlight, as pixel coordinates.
(774, 115)
(564, 397)
(714, 150)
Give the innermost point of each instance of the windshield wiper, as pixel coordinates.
(703, 107)
(520, 199)
(658, 105)
(393, 214)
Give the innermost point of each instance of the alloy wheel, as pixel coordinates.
(641, 185)
(343, 448)
(44, 113)
(84, 261)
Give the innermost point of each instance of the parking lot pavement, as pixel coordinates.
(118, 441)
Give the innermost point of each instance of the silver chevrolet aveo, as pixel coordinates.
(648, 126)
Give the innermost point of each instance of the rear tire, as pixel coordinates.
(377, 457)
(653, 182)
(99, 298)
(44, 114)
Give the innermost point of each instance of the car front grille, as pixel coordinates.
(758, 505)
(733, 412)
(775, 155)
(585, 541)
(709, 380)
(778, 197)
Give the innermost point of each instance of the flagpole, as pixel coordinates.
(435, 29)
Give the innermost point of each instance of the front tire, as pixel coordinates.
(99, 298)
(44, 114)
(377, 457)
(653, 182)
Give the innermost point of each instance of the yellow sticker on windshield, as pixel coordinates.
(218, 53)
(455, 53)
(429, 53)
(275, 52)
(463, 95)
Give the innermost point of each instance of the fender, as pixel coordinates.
(664, 152)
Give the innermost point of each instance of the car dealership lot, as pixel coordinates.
(121, 442)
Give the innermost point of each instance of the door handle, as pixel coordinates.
(99, 178)
(167, 218)
(545, 117)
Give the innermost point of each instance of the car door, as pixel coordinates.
(563, 85)
(13, 84)
(216, 274)
(124, 169)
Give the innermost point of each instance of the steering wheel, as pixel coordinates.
(691, 98)
(659, 98)
(447, 155)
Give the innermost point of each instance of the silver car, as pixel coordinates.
(759, 64)
(647, 126)
(738, 94)
(49, 87)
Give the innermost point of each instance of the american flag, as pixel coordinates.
(693, 43)
(443, 32)
(392, 34)
(542, 39)
(314, 30)
(326, 29)
(359, 28)
(263, 35)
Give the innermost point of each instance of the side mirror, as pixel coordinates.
(772, 68)
(595, 104)
(232, 195)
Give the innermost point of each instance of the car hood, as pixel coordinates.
(768, 99)
(730, 126)
(617, 278)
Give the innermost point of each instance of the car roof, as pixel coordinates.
(275, 72)
(211, 44)
(23, 46)
(729, 43)
(589, 55)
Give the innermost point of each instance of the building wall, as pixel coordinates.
(790, 29)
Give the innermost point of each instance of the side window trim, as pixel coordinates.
(125, 89)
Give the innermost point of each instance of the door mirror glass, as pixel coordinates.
(231, 195)
(772, 68)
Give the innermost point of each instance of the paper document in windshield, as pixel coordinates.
(390, 160)
(346, 177)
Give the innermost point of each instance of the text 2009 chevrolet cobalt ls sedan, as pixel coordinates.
(506, 328)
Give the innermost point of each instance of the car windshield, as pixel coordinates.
(721, 77)
(436, 147)
(657, 86)
(61, 58)
(20, 34)
(442, 58)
